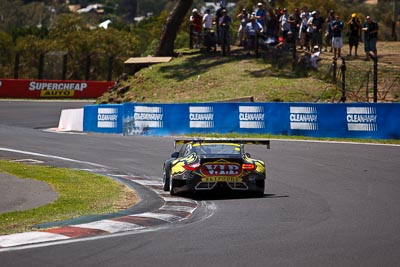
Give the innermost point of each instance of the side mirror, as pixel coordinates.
(175, 155)
(247, 155)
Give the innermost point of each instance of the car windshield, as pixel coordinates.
(217, 149)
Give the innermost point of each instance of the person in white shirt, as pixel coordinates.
(208, 21)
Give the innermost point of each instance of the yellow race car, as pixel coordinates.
(214, 164)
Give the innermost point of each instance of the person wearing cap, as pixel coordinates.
(337, 40)
(251, 30)
(317, 24)
(328, 31)
(354, 33)
(312, 58)
(370, 29)
(196, 21)
(284, 22)
(260, 14)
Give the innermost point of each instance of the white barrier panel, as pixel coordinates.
(71, 120)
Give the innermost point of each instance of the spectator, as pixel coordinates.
(337, 40)
(243, 16)
(218, 15)
(310, 30)
(328, 31)
(284, 23)
(287, 43)
(207, 21)
(311, 59)
(354, 33)
(295, 21)
(317, 24)
(370, 29)
(224, 25)
(196, 25)
(271, 23)
(260, 14)
(252, 29)
(304, 41)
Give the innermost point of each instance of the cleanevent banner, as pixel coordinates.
(352, 120)
(21, 88)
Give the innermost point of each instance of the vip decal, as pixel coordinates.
(303, 118)
(251, 117)
(362, 119)
(221, 169)
(148, 117)
(201, 117)
(107, 117)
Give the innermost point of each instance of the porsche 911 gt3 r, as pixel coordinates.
(214, 164)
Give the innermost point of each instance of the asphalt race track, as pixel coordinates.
(326, 204)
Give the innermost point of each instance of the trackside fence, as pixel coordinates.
(341, 120)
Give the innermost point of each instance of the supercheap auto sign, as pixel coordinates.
(21, 88)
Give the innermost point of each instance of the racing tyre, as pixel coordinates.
(172, 187)
(166, 179)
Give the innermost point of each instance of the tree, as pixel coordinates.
(171, 27)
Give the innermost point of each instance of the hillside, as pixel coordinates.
(201, 77)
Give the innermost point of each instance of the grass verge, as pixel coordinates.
(79, 193)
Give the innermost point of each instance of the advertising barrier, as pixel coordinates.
(21, 88)
(355, 120)
(103, 118)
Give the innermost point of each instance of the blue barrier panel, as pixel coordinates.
(103, 118)
(355, 120)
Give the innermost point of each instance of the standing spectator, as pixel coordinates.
(260, 14)
(284, 23)
(328, 31)
(271, 24)
(218, 15)
(370, 29)
(354, 33)
(243, 16)
(295, 22)
(196, 21)
(224, 25)
(310, 30)
(304, 40)
(317, 24)
(252, 29)
(337, 40)
(207, 21)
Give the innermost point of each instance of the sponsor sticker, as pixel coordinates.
(303, 118)
(251, 117)
(221, 169)
(107, 117)
(362, 119)
(201, 117)
(221, 179)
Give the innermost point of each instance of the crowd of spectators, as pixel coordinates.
(308, 32)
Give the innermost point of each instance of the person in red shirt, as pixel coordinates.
(196, 21)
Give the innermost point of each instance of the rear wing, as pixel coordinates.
(248, 141)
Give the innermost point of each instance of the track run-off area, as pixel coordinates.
(325, 203)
